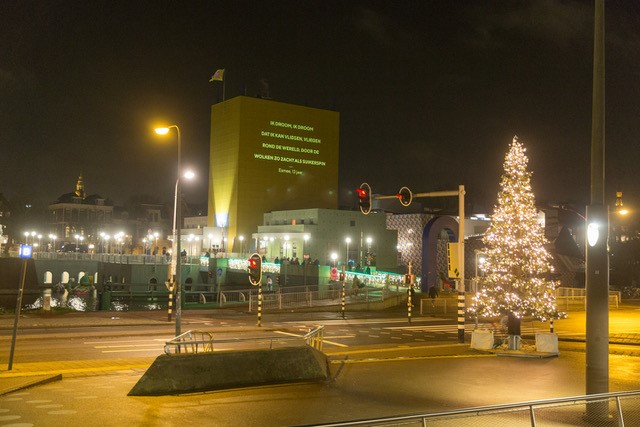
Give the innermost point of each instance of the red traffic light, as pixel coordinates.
(364, 198)
(405, 196)
(255, 269)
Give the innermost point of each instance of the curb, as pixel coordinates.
(22, 383)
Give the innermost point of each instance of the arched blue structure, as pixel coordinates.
(430, 235)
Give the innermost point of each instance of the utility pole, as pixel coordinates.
(597, 258)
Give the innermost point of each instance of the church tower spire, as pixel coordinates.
(80, 187)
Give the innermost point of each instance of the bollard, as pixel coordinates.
(260, 304)
(105, 301)
(46, 299)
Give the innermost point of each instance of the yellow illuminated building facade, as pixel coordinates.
(269, 156)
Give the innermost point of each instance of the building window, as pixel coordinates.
(353, 223)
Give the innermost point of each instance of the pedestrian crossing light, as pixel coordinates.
(407, 279)
(364, 198)
(255, 269)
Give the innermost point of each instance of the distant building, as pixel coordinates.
(143, 227)
(319, 233)
(269, 156)
(76, 213)
(5, 221)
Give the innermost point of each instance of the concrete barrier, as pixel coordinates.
(188, 373)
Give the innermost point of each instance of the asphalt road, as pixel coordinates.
(88, 342)
(357, 390)
(371, 387)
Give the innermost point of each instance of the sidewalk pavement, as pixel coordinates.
(626, 322)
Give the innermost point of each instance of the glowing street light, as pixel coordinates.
(334, 257)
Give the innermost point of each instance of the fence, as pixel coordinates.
(113, 258)
(436, 306)
(606, 409)
(576, 298)
(308, 298)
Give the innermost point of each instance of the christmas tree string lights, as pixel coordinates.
(517, 269)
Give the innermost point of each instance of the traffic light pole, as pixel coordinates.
(344, 294)
(406, 197)
(260, 304)
(409, 301)
(255, 278)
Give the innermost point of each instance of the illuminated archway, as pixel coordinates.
(430, 235)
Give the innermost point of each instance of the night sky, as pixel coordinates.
(430, 93)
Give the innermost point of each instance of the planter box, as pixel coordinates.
(482, 339)
(546, 342)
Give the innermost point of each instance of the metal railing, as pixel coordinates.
(605, 409)
(315, 338)
(190, 342)
(113, 258)
(283, 300)
(579, 302)
(438, 305)
(203, 342)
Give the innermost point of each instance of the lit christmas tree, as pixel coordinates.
(517, 267)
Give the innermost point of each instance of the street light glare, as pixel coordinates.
(189, 174)
(162, 131)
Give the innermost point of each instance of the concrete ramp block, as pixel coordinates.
(189, 373)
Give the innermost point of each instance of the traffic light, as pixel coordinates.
(342, 276)
(407, 279)
(364, 198)
(405, 196)
(255, 269)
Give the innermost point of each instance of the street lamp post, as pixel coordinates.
(597, 260)
(241, 245)
(305, 261)
(348, 240)
(286, 245)
(175, 260)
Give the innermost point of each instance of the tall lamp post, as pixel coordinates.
(597, 259)
(177, 213)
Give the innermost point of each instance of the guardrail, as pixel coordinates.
(196, 341)
(591, 409)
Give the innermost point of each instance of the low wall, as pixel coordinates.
(188, 373)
